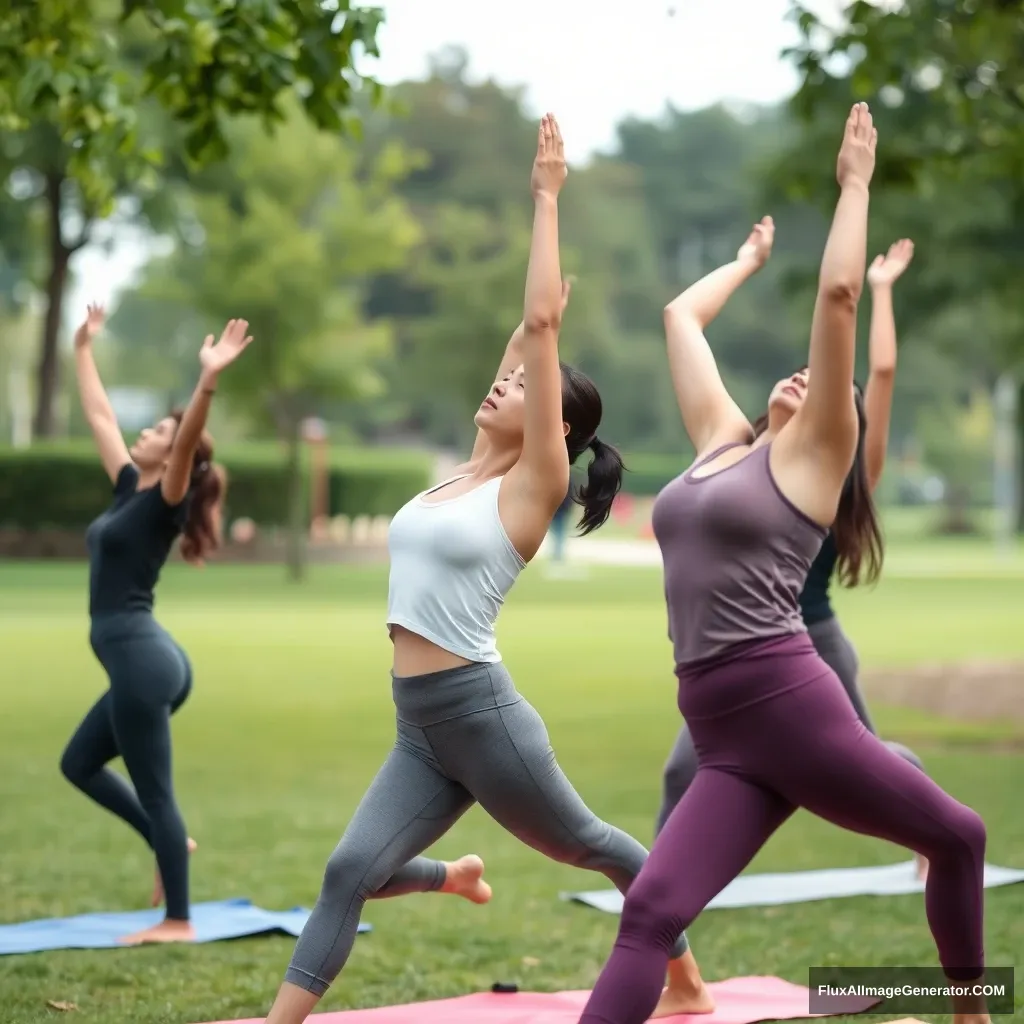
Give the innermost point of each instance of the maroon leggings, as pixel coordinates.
(774, 731)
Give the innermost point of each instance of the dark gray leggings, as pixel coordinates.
(465, 736)
(150, 679)
(835, 649)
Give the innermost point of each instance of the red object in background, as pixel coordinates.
(623, 507)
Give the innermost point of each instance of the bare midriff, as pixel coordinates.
(414, 655)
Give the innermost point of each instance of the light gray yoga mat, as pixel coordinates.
(805, 886)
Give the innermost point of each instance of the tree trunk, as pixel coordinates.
(48, 373)
(1020, 459)
(957, 517)
(295, 548)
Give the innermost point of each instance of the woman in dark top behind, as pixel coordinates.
(831, 643)
(165, 487)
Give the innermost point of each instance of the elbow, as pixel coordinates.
(677, 313)
(542, 321)
(842, 293)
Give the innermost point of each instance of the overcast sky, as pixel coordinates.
(592, 69)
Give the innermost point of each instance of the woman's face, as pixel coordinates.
(153, 446)
(502, 411)
(786, 398)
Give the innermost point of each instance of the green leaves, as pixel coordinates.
(204, 61)
(224, 58)
(293, 229)
(946, 86)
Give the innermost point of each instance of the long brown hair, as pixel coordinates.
(206, 488)
(857, 532)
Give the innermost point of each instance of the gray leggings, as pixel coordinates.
(835, 649)
(465, 735)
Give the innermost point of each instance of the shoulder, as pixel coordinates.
(127, 480)
(176, 514)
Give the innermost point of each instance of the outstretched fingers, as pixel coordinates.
(902, 250)
(556, 133)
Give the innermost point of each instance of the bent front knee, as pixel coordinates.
(652, 915)
(73, 769)
(965, 836)
(971, 832)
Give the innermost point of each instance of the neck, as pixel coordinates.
(767, 437)
(496, 462)
(149, 478)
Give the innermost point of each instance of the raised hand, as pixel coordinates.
(886, 270)
(95, 315)
(549, 169)
(233, 342)
(856, 162)
(758, 246)
(566, 289)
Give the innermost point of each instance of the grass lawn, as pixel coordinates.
(291, 716)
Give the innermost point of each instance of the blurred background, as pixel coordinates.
(378, 248)
(354, 182)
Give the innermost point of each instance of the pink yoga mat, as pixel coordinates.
(739, 1001)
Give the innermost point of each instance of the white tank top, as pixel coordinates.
(451, 566)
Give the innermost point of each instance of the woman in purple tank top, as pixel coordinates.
(771, 722)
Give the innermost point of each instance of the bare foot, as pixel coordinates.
(165, 931)
(686, 991)
(158, 885)
(922, 867)
(464, 877)
(969, 1008)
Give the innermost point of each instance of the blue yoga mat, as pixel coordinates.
(773, 890)
(213, 922)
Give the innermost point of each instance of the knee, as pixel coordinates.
(349, 872)
(677, 779)
(907, 754)
(652, 914)
(971, 831)
(72, 768)
(965, 836)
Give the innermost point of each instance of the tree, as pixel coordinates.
(75, 76)
(946, 83)
(289, 246)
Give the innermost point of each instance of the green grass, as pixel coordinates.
(291, 716)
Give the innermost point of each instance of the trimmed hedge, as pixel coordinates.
(63, 486)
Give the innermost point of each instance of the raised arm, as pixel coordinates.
(512, 358)
(213, 359)
(710, 415)
(541, 474)
(99, 413)
(826, 425)
(882, 275)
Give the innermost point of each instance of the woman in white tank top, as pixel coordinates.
(464, 733)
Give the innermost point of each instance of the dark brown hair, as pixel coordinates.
(857, 532)
(581, 409)
(207, 486)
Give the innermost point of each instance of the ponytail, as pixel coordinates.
(201, 534)
(857, 532)
(604, 481)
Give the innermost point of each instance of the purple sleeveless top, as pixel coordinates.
(735, 553)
